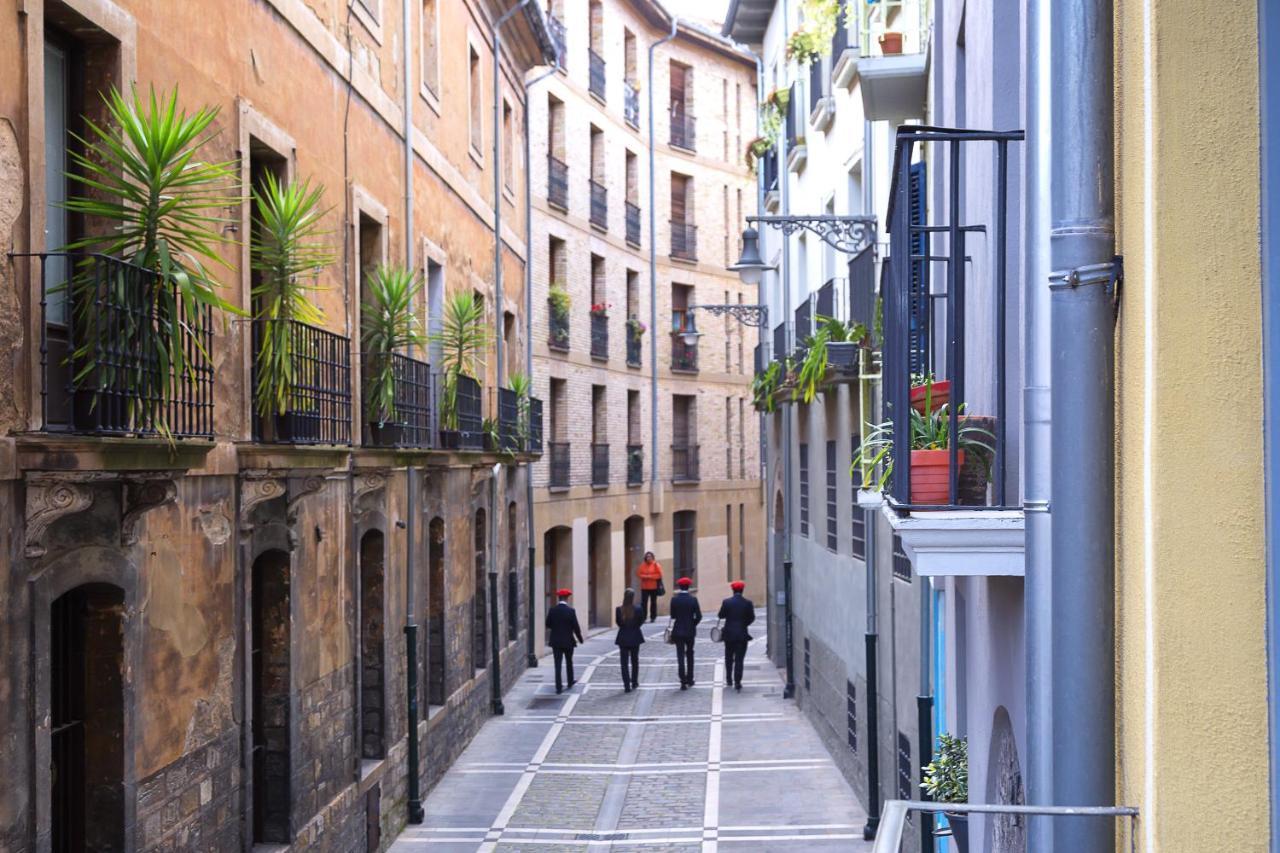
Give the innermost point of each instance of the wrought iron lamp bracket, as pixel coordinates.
(754, 316)
(848, 234)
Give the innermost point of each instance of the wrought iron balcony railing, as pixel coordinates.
(804, 323)
(557, 330)
(633, 224)
(825, 301)
(631, 104)
(556, 27)
(779, 341)
(510, 431)
(684, 240)
(634, 346)
(684, 131)
(105, 321)
(599, 205)
(559, 466)
(319, 404)
(684, 463)
(684, 357)
(467, 430)
(534, 444)
(557, 183)
(862, 288)
(600, 336)
(599, 464)
(635, 464)
(795, 119)
(408, 422)
(769, 169)
(596, 78)
(818, 82)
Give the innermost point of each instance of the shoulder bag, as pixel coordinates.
(666, 633)
(662, 589)
(715, 632)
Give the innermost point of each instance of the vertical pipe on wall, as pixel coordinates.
(497, 189)
(653, 273)
(924, 704)
(788, 409)
(495, 666)
(871, 519)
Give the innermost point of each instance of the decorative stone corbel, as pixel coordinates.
(140, 497)
(48, 501)
(310, 485)
(255, 490)
(369, 482)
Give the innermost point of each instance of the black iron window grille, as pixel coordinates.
(825, 302)
(635, 464)
(804, 489)
(769, 169)
(862, 287)
(509, 438)
(808, 666)
(599, 205)
(559, 465)
(779, 341)
(535, 425)
(557, 330)
(104, 323)
(599, 335)
(684, 357)
(804, 328)
(557, 183)
(901, 563)
(832, 517)
(408, 423)
(818, 82)
(599, 464)
(684, 130)
(684, 240)
(757, 358)
(634, 346)
(631, 104)
(633, 224)
(684, 463)
(840, 39)
(793, 123)
(319, 404)
(859, 515)
(596, 79)
(851, 714)
(904, 767)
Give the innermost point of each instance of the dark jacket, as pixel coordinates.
(685, 616)
(738, 612)
(629, 636)
(562, 627)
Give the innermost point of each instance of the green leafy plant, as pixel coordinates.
(520, 385)
(560, 302)
(930, 431)
(388, 324)
(287, 251)
(813, 370)
(492, 440)
(636, 328)
(765, 385)
(142, 175)
(812, 39)
(463, 340)
(946, 778)
(773, 115)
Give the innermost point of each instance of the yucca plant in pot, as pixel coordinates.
(287, 250)
(520, 385)
(946, 780)
(388, 325)
(463, 340)
(163, 210)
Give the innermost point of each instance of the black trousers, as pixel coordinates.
(684, 660)
(733, 656)
(564, 657)
(649, 601)
(630, 657)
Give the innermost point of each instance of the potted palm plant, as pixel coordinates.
(946, 780)
(287, 252)
(522, 387)
(142, 174)
(388, 324)
(463, 340)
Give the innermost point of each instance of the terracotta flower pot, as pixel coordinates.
(930, 475)
(891, 43)
(941, 396)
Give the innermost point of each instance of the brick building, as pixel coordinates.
(204, 642)
(599, 503)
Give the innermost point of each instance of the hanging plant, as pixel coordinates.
(560, 302)
(773, 113)
(636, 328)
(812, 39)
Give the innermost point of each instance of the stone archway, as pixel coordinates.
(1005, 833)
(599, 573)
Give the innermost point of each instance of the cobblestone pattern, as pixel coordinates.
(193, 804)
(562, 801)
(588, 744)
(609, 701)
(324, 760)
(675, 742)
(664, 801)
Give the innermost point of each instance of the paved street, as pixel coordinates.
(654, 770)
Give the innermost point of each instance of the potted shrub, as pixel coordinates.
(521, 386)
(946, 780)
(835, 344)
(764, 388)
(559, 302)
(287, 251)
(891, 43)
(930, 445)
(600, 309)
(636, 328)
(925, 387)
(142, 173)
(463, 340)
(387, 324)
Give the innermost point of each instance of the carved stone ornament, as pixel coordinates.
(369, 482)
(254, 491)
(48, 501)
(141, 497)
(310, 485)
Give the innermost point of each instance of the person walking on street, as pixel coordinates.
(738, 612)
(650, 573)
(685, 616)
(630, 616)
(563, 633)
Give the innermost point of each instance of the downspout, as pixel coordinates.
(924, 703)
(871, 518)
(789, 344)
(531, 658)
(655, 486)
(1082, 252)
(495, 666)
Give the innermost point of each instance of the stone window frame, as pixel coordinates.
(373, 520)
(429, 95)
(370, 14)
(362, 202)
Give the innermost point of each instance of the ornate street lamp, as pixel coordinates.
(750, 267)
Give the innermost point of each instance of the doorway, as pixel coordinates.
(599, 574)
(373, 717)
(272, 768)
(436, 667)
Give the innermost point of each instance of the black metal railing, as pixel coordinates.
(795, 122)
(534, 442)
(684, 357)
(555, 27)
(968, 389)
(467, 431)
(559, 466)
(106, 323)
(825, 300)
(804, 323)
(779, 342)
(635, 464)
(634, 346)
(596, 77)
(557, 183)
(839, 39)
(862, 288)
(684, 130)
(509, 437)
(318, 410)
(769, 169)
(557, 330)
(631, 103)
(684, 240)
(818, 82)
(633, 224)
(599, 204)
(408, 421)
(757, 359)
(599, 335)
(684, 463)
(599, 464)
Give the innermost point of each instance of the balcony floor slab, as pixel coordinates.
(961, 543)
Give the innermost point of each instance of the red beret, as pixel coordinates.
(737, 586)
(685, 582)
(564, 593)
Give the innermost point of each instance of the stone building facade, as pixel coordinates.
(205, 640)
(599, 504)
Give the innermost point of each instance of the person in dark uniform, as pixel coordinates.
(630, 616)
(563, 634)
(685, 616)
(738, 612)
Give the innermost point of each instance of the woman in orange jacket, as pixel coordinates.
(650, 573)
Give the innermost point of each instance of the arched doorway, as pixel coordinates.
(480, 602)
(599, 573)
(436, 669)
(272, 768)
(557, 544)
(633, 548)
(1006, 833)
(373, 716)
(87, 725)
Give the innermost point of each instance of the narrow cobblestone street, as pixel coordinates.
(658, 769)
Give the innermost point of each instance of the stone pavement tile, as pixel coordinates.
(505, 741)
(664, 800)
(468, 799)
(588, 744)
(654, 848)
(525, 847)
(674, 742)
(561, 801)
(788, 797)
(773, 739)
(606, 700)
(673, 700)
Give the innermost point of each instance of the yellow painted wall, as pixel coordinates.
(1191, 680)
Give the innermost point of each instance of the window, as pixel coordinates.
(742, 541)
(728, 542)
(373, 716)
(430, 25)
(480, 600)
(901, 563)
(728, 431)
(804, 489)
(742, 438)
(509, 143)
(851, 715)
(476, 94)
(513, 575)
(859, 515)
(435, 311)
(436, 670)
(685, 542)
(832, 525)
(270, 652)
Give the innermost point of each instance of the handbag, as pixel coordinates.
(715, 632)
(662, 588)
(666, 633)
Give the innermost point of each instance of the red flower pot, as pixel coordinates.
(891, 43)
(931, 476)
(941, 396)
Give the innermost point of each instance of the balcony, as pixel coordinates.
(105, 321)
(559, 465)
(684, 357)
(631, 104)
(797, 153)
(633, 224)
(956, 508)
(769, 174)
(825, 300)
(635, 342)
(844, 51)
(511, 432)
(822, 107)
(862, 288)
(684, 240)
(779, 341)
(804, 327)
(635, 464)
(599, 206)
(684, 463)
(467, 432)
(599, 336)
(534, 441)
(596, 78)
(893, 59)
(407, 423)
(557, 183)
(555, 27)
(557, 330)
(599, 465)
(319, 402)
(684, 131)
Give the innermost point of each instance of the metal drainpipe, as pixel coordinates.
(1082, 250)
(531, 655)
(870, 518)
(653, 273)
(924, 704)
(495, 666)
(788, 410)
(497, 187)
